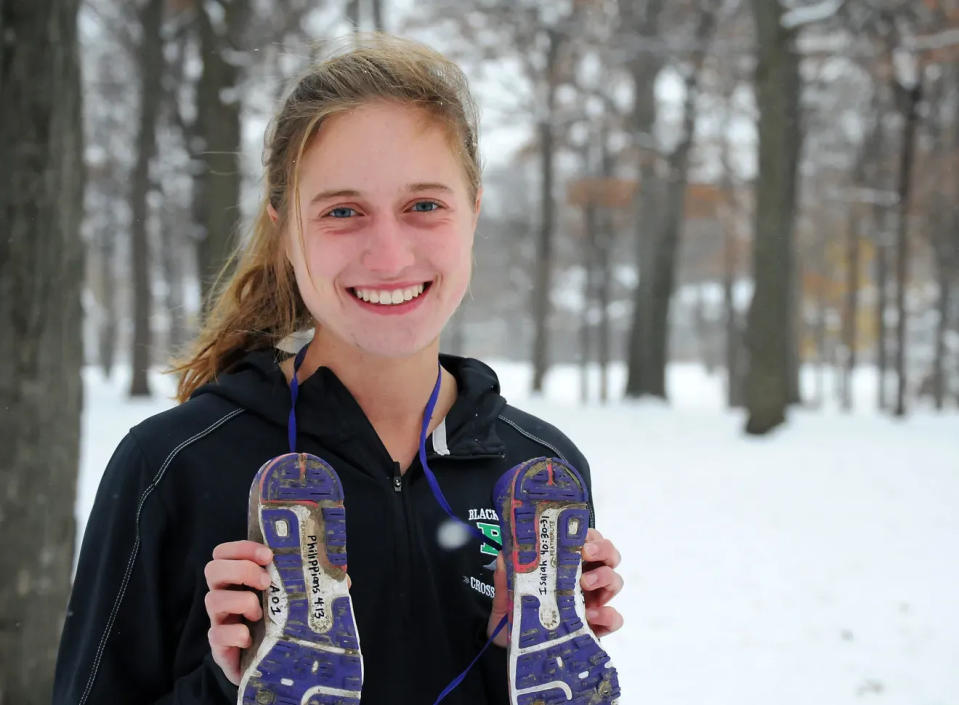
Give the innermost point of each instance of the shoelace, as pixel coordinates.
(434, 487)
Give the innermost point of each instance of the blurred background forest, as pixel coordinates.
(755, 186)
(782, 176)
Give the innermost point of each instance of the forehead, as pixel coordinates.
(377, 144)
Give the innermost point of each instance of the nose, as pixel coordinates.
(389, 248)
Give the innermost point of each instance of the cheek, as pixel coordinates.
(457, 251)
(327, 257)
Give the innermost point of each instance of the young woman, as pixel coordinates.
(365, 236)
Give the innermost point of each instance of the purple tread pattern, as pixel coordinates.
(296, 662)
(530, 485)
(283, 481)
(580, 655)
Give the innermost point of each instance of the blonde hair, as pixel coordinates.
(260, 304)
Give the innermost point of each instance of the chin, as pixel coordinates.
(393, 349)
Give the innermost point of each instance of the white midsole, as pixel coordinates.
(323, 690)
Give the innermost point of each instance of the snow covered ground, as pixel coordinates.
(816, 566)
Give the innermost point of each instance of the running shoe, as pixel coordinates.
(554, 657)
(305, 650)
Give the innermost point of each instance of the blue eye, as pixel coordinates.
(432, 206)
(341, 212)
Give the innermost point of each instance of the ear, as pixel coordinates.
(476, 206)
(274, 218)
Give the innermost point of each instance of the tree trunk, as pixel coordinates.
(882, 275)
(604, 252)
(792, 332)
(824, 354)
(102, 263)
(585, 328)
(41, 270)
(703, 330)
(543, 257)
(171, 261)
(603, 255)
(912, 98)
(644, 69)
(944, 274)
(151, 72)
(777, 85)
(217, 187)
(734, 366)
(660, 269)
(851, 306)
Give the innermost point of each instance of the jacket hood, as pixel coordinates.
(326, 409)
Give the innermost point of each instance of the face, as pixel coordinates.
(388, 229)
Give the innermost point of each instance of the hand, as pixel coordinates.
(235, 565)
(601, 583)
(501, 605)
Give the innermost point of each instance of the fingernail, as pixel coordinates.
(589, 580)
(265, 580)
(264, 554)
(592, 614)
(589, 550)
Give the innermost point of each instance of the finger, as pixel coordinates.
(225, 573)
(593, 535)
(220, 603)
(602, 584)
(604, 620)
(244, 550)
(500, 602)
(228, 659)
(229, 636)
(598, 598)
(602, 551)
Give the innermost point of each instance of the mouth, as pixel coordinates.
(390, 297)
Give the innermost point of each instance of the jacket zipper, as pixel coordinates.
(397, 478)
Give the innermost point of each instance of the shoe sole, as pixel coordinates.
(554, 657)
(306, 648)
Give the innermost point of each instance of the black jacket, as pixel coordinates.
(178, 485)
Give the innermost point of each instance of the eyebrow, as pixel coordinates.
(353, 193)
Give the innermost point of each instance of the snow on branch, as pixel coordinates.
(801, 16)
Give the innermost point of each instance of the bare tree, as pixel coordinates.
(908, 97)
(217, 134)
(777, 85)
(150, 64)
(41, 269)
(658, 272)
(642, 20)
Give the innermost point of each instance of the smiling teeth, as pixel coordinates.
(389, 297)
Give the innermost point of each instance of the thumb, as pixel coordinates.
(501, 602)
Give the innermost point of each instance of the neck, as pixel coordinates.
(393, 392)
